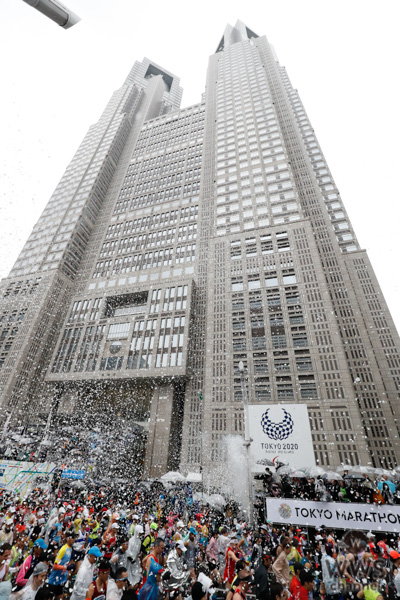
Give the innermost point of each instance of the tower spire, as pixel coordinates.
(233, 35)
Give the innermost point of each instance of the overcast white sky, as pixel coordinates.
(342, 56)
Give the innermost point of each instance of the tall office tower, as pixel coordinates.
(182, 241)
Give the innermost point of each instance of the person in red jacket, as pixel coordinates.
(383, 547)
(295, 583)
(307, 585)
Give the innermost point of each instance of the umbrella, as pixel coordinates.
(332, 476)
(315, 471)
(344, 468)
(354, 476)
(46, 443)
(216, 500)
(194, 477)
(25, 440)
(384, 472)
(173, 476)
(297, 474)
(360, 469)
(286, 470)
(78, 483)
(391, 485)
(266, 462)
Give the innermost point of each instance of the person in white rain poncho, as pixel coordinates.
(115, 587)
(133, 563)
(85, 574)
(35, 582)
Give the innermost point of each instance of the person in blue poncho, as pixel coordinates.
(150, 589)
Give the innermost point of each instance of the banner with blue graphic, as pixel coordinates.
(72, 474)
(280, 432)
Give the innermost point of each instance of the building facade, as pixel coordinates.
(180, 242)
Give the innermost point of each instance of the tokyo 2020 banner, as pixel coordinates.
(340, 515)
(280, 431)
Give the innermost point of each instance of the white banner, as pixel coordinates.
(343, 515)
(281, 431)
(20, 476)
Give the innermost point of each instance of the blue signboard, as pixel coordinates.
(71, 474)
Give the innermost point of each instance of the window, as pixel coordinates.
(118, 331)
(289, 279)
(237, 286)
(126, 304)
(271, 281)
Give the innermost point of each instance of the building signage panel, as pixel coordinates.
(343, 515)
(20, 477)
(282, 432)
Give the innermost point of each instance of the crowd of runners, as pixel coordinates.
(113, 544)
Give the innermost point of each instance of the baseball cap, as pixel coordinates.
(181, 545)
(115, 526)
(393, 554)
(154, 526)
(95, 551)
(135, 517)
(9, 521)
(41, 543)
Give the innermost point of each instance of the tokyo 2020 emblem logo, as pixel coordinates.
(285, 511)
(277, 431)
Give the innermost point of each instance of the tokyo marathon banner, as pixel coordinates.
(280, 431)
(342, 515)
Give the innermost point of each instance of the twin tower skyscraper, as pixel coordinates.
(181, 242)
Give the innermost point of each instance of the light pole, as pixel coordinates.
(247, 442)
(55, 11)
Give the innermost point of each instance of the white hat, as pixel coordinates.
(12, 509)
(180, 524)
(9, 521)
(136, 517)
(181, 545)
(319, 538)
(139, 529)
(61, 510)
(115, 526)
